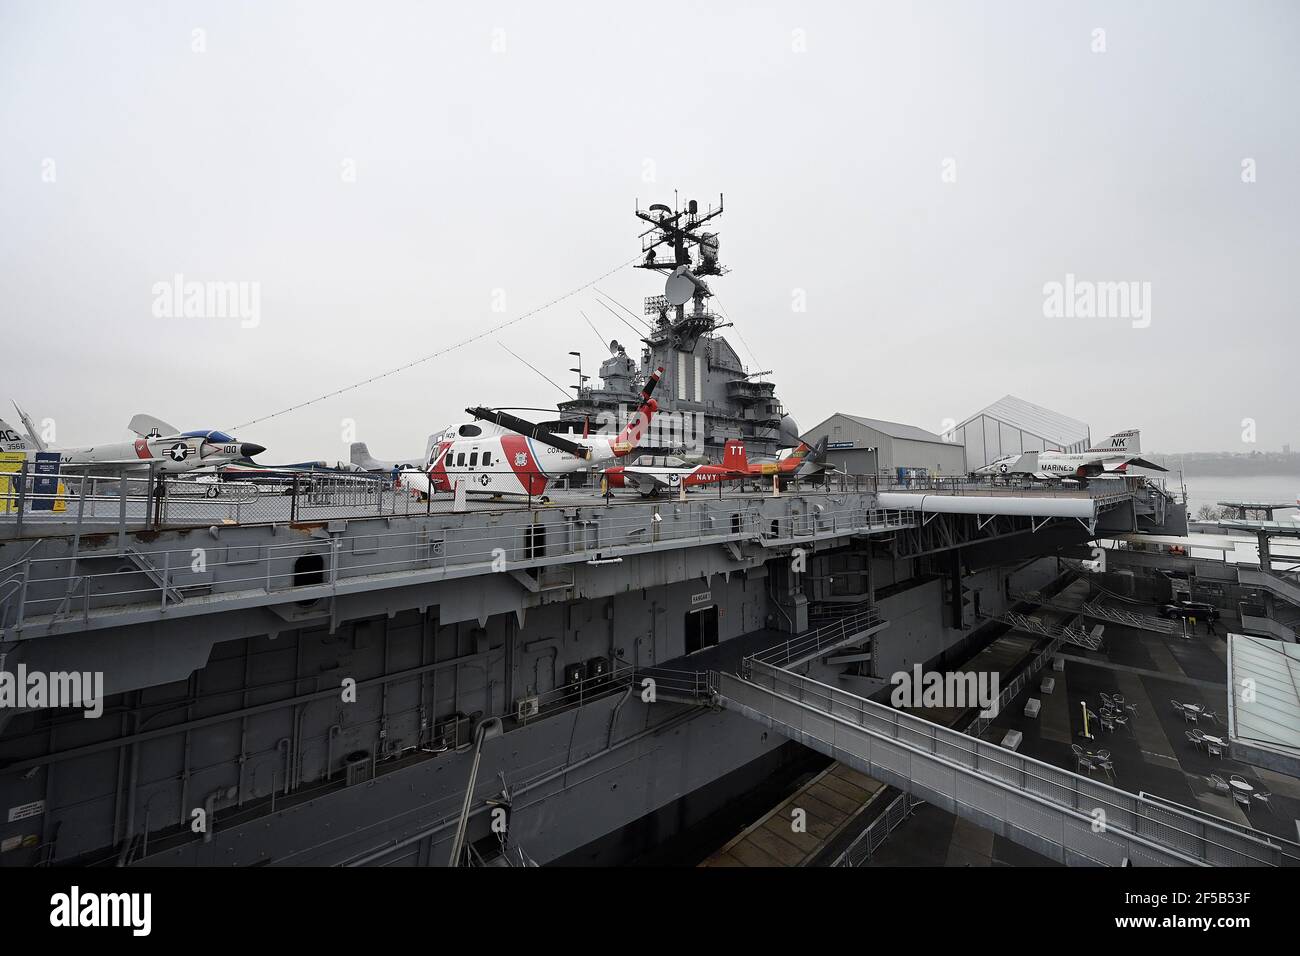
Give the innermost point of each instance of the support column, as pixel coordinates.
(1265, 559)
(954, 571)
(788, 593)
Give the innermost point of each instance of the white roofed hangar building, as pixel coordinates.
(1012, 426)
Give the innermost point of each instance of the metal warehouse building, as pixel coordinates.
(1011, 426)
(863, 446)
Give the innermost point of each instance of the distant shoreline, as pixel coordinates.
(1222, 465)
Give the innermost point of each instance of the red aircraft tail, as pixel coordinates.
(734, 456)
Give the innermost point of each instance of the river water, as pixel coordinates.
(1211, 489)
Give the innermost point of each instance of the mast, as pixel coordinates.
(677, 246)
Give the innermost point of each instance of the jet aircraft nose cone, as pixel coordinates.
(248, 449)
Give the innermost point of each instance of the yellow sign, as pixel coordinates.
(11, 463)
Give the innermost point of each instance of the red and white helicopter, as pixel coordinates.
(522, 458)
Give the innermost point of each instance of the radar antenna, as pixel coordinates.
(691, 254)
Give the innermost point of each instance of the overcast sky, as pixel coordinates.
(389, 172)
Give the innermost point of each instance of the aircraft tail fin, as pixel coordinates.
(1127, 442)
(359, 454)
(734, 455)
(813, 461)
(12, 440)
(32, 434)
(145, 425)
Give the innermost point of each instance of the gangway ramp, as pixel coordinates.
(1285, 588)
(1115, 615)
(1070, 633)
(1103, 612)
(1061, 815)
(839, 632)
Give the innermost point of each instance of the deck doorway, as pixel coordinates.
(701, 629)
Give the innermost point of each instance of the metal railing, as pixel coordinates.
(1290, 846)
(148, 498)
(1072, 634)
(811, 644)
(877, 832)
(674, 683)
(895, 740)
(1263, 624)
(652, 682)
(80, 583)
(1011, 691)
(828, 612)
(1279, 585)
(1102, 612)
(996, 485)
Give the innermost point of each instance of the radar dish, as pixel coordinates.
(614, 347)
(789, 432)
(680, 287)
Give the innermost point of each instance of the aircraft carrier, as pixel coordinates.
(341, 674)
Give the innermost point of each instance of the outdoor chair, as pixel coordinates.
(1102, 760)
(1081, 759)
